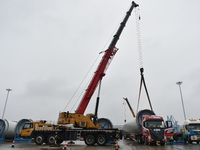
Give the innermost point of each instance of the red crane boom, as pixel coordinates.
(106, 59)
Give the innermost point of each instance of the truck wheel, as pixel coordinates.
(162, 143)
(187, 140)
(51, 140)
(39, 139)
(90, 140)
(190, 141)
(141, 141)
(145, 141)
(101, 140)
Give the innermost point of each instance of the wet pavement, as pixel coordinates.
(123, 145)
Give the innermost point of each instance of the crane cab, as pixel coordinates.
(78, 120)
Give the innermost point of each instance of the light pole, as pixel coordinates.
(179, 83)
(6, 102)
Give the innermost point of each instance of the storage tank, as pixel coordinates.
(134, 125)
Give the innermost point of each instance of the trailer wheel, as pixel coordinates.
(39, 139)
(90, 140)
(51, 139)
(101, 139)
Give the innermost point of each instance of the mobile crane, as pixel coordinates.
(90, 121)
(87, 127)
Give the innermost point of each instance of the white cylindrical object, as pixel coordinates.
(2, 127)
(10, 127)
(105, 123)
(20, 124)
(134, 125)
(131, 126)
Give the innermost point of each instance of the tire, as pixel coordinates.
(141, 141)
(90, 140)
(51, 139)
(145, 141)
(152, 143)
(59, 141)
(190, 141)
(187, 140)
(101, 140)
(162, 143)
(39, 140)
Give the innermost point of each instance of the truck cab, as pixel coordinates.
(192, 130)
(155, 130)
(26, 129)
(40, 131)
(29, 127)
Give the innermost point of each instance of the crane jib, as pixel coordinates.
(122, 25)
(100, 72)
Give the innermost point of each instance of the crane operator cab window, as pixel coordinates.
(28, 126)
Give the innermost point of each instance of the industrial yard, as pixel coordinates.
(55, 44)
(123, 145)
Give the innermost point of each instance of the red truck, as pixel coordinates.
(155, 130)
(149, 128)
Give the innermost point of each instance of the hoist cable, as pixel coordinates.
(137, 17)
(81, 83)
(87, 75)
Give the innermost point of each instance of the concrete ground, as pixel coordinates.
(123, 145)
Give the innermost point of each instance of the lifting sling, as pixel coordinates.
(143, 81)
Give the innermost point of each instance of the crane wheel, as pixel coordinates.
(101, 140)
(39, 139)
(90, 140)
(51, 140)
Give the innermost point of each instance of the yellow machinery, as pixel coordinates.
(78, 120)
(90, 120)
(29, 127)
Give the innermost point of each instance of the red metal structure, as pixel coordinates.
(100, 72)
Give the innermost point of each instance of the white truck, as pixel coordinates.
(192, 130)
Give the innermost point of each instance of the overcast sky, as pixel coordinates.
(47, 47)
